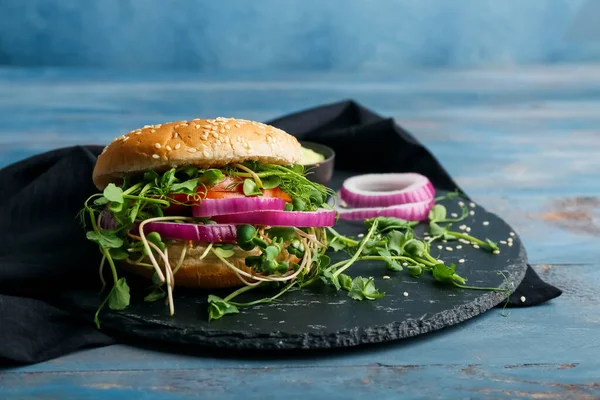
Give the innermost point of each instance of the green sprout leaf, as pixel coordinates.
(105, 239)
(218, 307)
(345, 282)
(392, 265)
(154, 295)
(251, 188)
(211, 177)
(284, 232)
(446, 274)
(167, 179)
(271, 182)
(186, 187)
(363, 288)
(492, 245)
(397, 240)
(225, 253)
(154, 237)
(415, 248)
(118, 299)
(388, 223)
(271, 252)
(437, 213)
(113, 193)
(119, 253)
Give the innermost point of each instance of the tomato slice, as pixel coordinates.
(220, 191)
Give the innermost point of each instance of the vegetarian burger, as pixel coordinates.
(210, 203)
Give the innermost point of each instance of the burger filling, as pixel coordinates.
(271, 216)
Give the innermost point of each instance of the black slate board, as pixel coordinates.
(324, 318)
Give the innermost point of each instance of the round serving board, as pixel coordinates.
(320, 317)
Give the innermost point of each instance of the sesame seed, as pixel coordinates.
(176, 126)
(468, 229)
(523, 299)
(486, 223)
(177, 146)
(454, 215)
(512, 234)
(472, 205)
(215, 135)
(184, 124)
(462, 227)
(214, 127)
(405, 294)
(496, 251)
(236, 125)
(157, 145)
(386, 277)
(147, 126)
(175, 134)
(125, 138)
(458, 247)
(444, 241)
(155, 156)
(503, 241)
(476, 246)
(510, 244)
(404, 264)
(440, 247)
(206, 153)
(361, 235)
(197, 126)
(461, 203)
(510, 239)
(152, 130)
(462, 260)
(227, 127)
(157, 126)
(192, 149)
(464, 241)
(168, 147)
(448, 248)
(261, 127)
(471, 212)
(138, 132)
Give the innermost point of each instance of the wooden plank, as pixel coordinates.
(531, 381)
(559, 332)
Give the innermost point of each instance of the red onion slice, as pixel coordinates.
(319, 218)
(410, 212)
(383, 190)
(212, 207)
(198, 233)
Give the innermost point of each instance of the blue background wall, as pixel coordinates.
(297, 34)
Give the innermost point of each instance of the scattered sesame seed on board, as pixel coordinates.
(476, 246)
(458, 247)
(496, 251)
(510, 244)
(472, 205)
(386, 277)
(471, 212)
(360, 235)
(405, 264)
(448, 248)
(440, 247)
(157, 145)
(523, 299)
(462, 260)
(503, 241)
(444, 241)
(155, 156)
(177, 146)
(462, 227)
(405, 294)
(192, 149)
(454, 215)
(512, 234)
(468, 229)
(486, 223)
(461, 203)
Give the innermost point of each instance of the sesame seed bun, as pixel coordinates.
(206, 143)
(208, 273)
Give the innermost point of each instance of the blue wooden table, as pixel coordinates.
(524, 143)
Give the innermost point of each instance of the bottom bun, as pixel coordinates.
(208, 273)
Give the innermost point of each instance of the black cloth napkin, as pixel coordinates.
(44, 251)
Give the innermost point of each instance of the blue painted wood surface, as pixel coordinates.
(523, 142)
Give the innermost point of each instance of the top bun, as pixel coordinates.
(205, 143)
